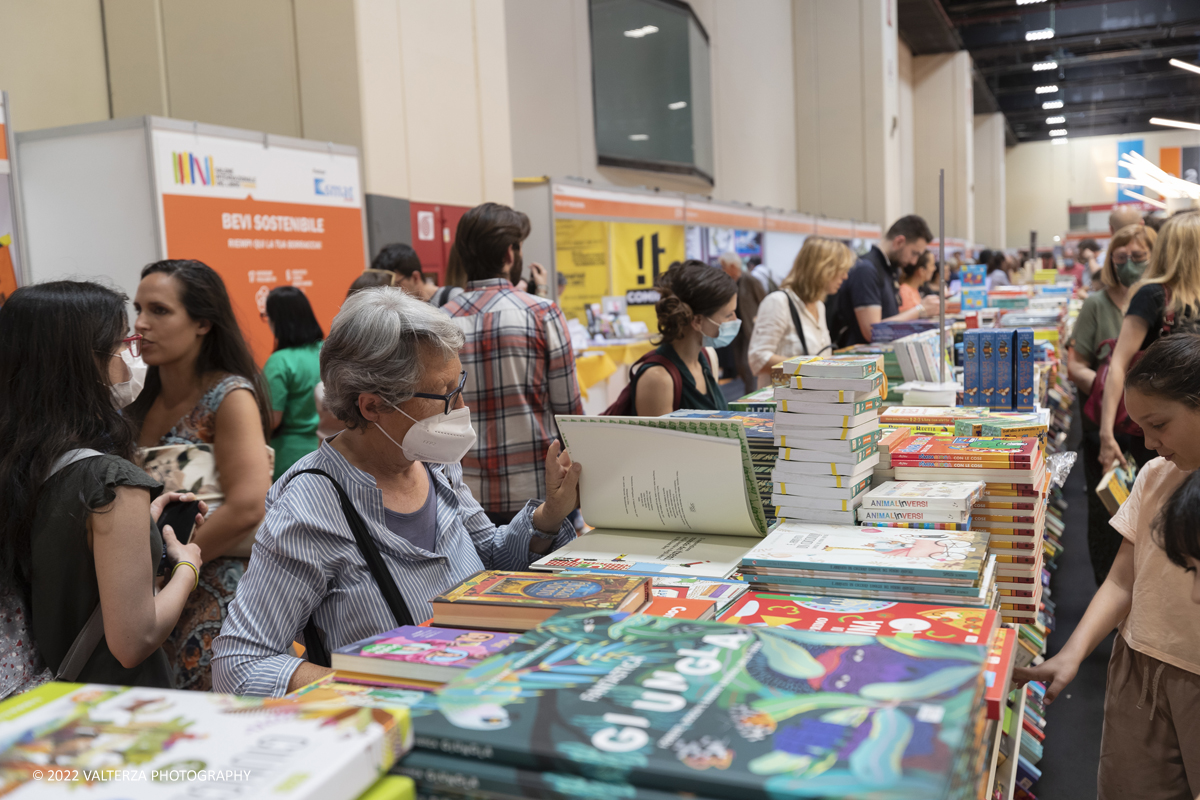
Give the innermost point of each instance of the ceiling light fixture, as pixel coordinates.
(1059, 132)
(1055, 120)
(638, 137)
(638, 33)
(1174, 123)
(678, 104)
(1030, 36)
(1042, 66)
(1175, 62)
(1142, 172)
(1050, 105)
(1046, 89)
(1029, 2)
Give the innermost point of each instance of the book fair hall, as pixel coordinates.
(600, 399)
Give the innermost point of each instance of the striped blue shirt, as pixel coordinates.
(305, 563)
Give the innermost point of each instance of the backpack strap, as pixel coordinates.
(316, 649)
(662, 361)
(796, 322)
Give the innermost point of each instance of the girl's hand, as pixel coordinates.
(166, 498)
(177, 552)
(1110, 452)
(1055, 672)
(562, 489)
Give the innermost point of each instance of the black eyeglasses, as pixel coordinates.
(448, 399)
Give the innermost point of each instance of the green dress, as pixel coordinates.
(292, 374)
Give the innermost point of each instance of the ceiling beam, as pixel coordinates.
(1048, 46)
(1066, 84)
(1106, 57)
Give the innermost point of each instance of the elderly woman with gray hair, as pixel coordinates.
(360, 535)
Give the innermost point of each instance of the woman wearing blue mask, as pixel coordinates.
(697, 309)
(391, 481)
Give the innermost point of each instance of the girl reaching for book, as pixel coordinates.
(1151, 741)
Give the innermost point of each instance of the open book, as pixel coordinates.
(665, 494)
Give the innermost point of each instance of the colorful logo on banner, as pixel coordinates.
(324, 189)
(191, 168)
(1130, 146)
(640, 253)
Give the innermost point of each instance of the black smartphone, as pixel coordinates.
(181, 516)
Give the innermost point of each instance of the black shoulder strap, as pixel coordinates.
(317, 652)
(796, 322)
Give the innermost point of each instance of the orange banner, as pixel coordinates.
(256, 246)
(1170, 160)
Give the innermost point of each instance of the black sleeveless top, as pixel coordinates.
(63, 570)
(713, 400)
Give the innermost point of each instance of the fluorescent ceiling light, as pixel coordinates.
(1059, 141)
(1030, 36)
(1029, 2)
(1052, 104)
(1144, 199)
(1125, 181)
(677, 105)
(638, 137)
(1055, 120)
(1174, 123)
(1059, 132)
(638, 33)
(1175, 62)
(1046, 89)
(1042, 66)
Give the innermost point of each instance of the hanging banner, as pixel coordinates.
(262, 216)
(8, 213)
(581, 257)
(640, 253)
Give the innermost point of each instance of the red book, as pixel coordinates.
(998, 674)
(681, 608)
(984, 452)
(1033, 730)
(868, 617)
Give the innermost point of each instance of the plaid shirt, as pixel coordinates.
(520, 374)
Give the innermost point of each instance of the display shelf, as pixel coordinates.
(1006, 778)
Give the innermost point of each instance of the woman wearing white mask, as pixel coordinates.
(697, 310)
(77, 530)
(392, 374)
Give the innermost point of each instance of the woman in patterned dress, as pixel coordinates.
(202, 387)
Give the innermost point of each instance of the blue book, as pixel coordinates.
(971, 367)
(987, 367)
(1023, 358)
(1003, 345)
(859, 585)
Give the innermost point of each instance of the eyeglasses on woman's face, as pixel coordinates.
(451, 399)
(134, 343)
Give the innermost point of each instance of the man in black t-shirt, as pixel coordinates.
(871, 293)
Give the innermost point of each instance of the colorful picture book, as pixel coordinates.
(918, 415)
(681, 608)
(731, 712)
(991, 453)
(650, 553)
(722, 592)
(925, 495)
(423, 653)
(953, 624)
(1114, 488)
(514, 601)
(110, 742)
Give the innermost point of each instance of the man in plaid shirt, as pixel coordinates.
(519, 363)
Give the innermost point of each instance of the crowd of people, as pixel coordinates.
(425, 419)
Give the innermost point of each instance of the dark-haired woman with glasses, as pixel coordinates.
(292, 373)
(393, 376)
(77, 517)
(203, 388)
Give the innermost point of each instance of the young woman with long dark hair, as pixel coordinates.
(83, 535)
(292, 373)
(203, 387)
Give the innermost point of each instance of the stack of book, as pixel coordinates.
(874, 563)
(759, 401)
(889, 438)
(891, 331)
(826, 429)
(931, 505)
(1011, 510)
(414, 657)
(723, 593)
(642, 707)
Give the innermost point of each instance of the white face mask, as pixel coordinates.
(440, 439)
(126, 392)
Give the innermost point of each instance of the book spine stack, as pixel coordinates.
(827, 439)
(998, 368)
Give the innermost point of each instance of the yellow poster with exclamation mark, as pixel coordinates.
(640, 253)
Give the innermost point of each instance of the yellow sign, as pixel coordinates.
(581, 256)
(640, 253)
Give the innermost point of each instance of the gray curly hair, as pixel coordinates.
(376, 346)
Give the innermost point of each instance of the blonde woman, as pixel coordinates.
(1166, 298)
(818, 271)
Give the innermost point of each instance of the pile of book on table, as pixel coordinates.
(899, 564)
(826, 428)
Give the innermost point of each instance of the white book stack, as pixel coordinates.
(827, 431)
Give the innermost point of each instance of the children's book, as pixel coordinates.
(925, 495)
(331, 689)
(514, 601)
(810, 407)
(887, 516)
(840, 461)
(953, 624)
(872, 383)
(816, 503)
(802, 422)
(1000, 660)
(838, 439)
(111, 742)
(873, 550)
(650, 553)
(834, 366)
(666, 475)
(805, 489)
(792, 513)
(991, 453)
(917, 415)
(423, 653)
(824, 395)
(681, 608)
(729, 712)
(723, 592)
(1117, 483)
